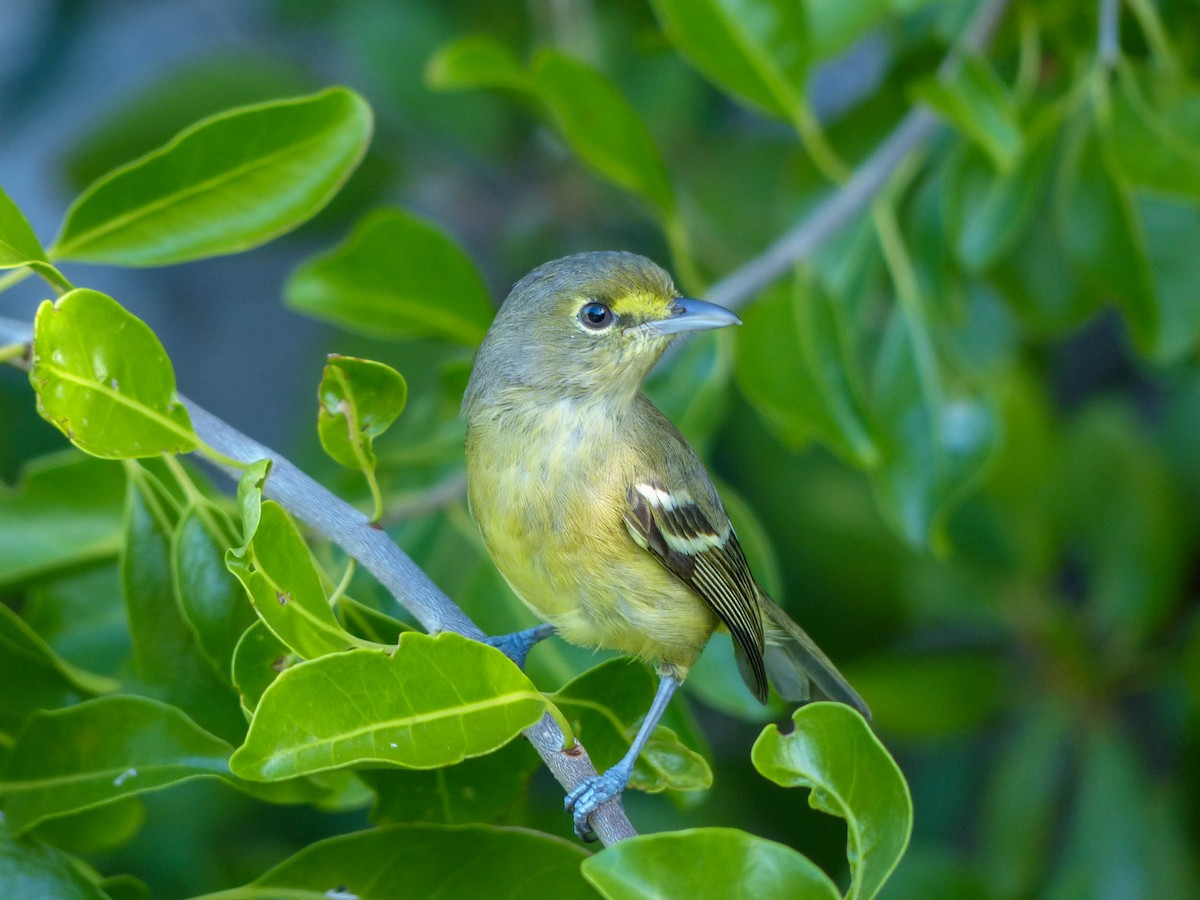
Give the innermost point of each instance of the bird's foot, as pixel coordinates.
(516, 646)
(594, 793)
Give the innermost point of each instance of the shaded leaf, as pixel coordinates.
(608, 703)
(433, 702)
(29, 868)
(103, 379)
(833, 752)
(226, 184)
(706, 862)
(94, 830)
(360, 399)
(100, 751)
(413, 862)
(250, 496)
(475, 790)
(975, 102)
(65, 513)
(277, 571)
(1172, 230)
(257, 661)
(396, 276)
(1154, 134)
(477, 61)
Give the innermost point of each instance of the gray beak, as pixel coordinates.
(693, 315)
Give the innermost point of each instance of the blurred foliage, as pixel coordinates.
(960, 441)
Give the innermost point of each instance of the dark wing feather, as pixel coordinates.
(707, 558)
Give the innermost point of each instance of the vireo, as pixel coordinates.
(594, 507)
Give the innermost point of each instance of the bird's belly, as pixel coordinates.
(567, 554)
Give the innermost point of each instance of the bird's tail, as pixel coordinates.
(796, 665)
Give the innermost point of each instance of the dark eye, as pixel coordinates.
(596, 316)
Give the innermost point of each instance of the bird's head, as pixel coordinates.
(593, 324)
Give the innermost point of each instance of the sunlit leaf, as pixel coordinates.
(103, 379)
(226, 184)
(706, 862)
(433, 702)
(360, 399)
(416, 861)
(833, 752)
(100, 751)
(396, 276)
(477, 61)
(19, 246)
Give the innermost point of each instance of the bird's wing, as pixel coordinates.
(707, 557)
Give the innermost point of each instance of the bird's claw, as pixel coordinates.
(516, 646)
(591, 795)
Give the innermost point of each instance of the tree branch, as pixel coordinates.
(351, 530)
(855, 195)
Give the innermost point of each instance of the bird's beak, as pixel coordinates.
(693, 315)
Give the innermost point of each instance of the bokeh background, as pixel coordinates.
(1031, 650)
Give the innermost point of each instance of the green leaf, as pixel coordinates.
(167, 655)
(416, 861)
(601, 127)
(813, 392)
(103, 379)
(477, 61)
(706, 862)
(753, 49)
(833, 752)
(211, 599)
(100, 751)
(95, 830)
(1154, 134)
(606, 706)
(1103, 239)
(433, 702)
(833, 27)
(34, 676)
(1172, 230)
(250, 496)
(360, 399)
(257, 661)
(19, 246)
(277, 571)
(65, 513)
(228, 183)
(976, 103)
(82, 616)
(475, 790)
(396, 276)
(29, 868)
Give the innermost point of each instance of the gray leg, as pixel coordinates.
(594, 792)
(516, 646)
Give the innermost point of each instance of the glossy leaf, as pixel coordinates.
(65, 513)
(250, 496)
(475, 790)
(257, 661)
(103, 379)
(396, 276)
(226, 184)
(706, 862)
(100, 751)
(433, 702)
(410, 862)
(30, 868)
(360, 399)
(211, 599)
(34, 676)
(813, 392)
(606, 705)
(754, 49)
(1103, 238)
(601, 127)
(975, 102)
(833, 752)
(168, 659)
(19, 246)
(277, 571)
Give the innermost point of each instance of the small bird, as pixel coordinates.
(594, 507)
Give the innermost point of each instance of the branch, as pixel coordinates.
(856, 194)
(351, 530)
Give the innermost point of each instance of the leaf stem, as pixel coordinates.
(344, 583)
(13, 351)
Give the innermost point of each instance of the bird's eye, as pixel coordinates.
(596, 316)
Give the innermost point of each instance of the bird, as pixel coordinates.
(594, 507)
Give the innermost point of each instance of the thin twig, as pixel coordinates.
(855, 195)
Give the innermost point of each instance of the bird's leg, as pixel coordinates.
(596, 791)
(516, 646)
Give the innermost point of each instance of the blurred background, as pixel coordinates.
(1012, 582)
